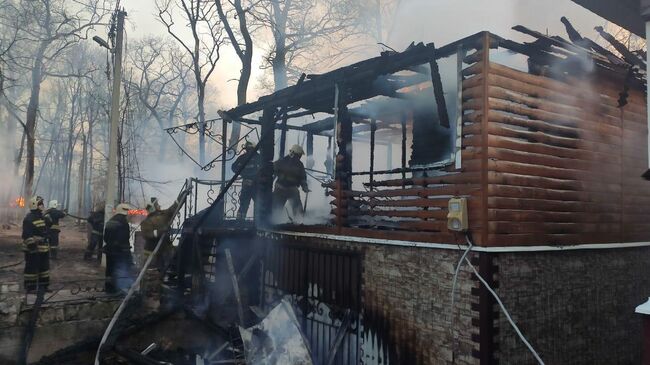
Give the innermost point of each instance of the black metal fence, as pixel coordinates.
(325, 287)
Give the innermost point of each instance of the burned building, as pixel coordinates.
(543, 143)
(545, 140)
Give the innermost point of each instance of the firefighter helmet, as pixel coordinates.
(150, 208)
(99, 206)
(296, 149)
(155, 203)
(54, 204)
(35, 202)
(122, 209)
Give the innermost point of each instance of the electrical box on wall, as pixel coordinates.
(457, 215)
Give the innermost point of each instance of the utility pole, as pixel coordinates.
(111, 178)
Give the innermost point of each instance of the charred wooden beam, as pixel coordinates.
(587, 43)
(283, 134)
(263, 204)
(628, 56)
(343, 176)
(310, 150)
(373, 130)
(403, 121)
(438, 93)
(353, 75)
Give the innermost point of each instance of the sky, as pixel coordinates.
(438, 21)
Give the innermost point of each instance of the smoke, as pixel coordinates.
(441, 21)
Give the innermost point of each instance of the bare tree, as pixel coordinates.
(241, 41)
(301, 28)
(203, 49)
(52, 28)
(163, 80)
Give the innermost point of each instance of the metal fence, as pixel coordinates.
(325, 287)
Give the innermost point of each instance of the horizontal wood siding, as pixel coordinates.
(564, 161)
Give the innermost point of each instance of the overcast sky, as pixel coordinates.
(439, 21)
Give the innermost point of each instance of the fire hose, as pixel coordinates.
(75, 217)
(181, 199)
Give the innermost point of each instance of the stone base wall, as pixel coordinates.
(59, 325)
(575, 307)
(408, 289)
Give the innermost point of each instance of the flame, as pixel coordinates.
(413, 89)
(138, 212)
(19, 202)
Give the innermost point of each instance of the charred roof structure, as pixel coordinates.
(504, 127)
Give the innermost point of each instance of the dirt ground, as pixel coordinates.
(69, 268)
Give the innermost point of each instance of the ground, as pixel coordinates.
(70, 271)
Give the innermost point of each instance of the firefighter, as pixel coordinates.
(36, 247)
(249, 176)
(119, 261)
(155, 226)
(290, 174)
(96, 220)
(52, 216)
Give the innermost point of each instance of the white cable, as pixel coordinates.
(505, 311)
(453, 292)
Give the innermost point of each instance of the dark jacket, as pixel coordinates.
(249, 171)
(290, 172)
(96, 220)
(52, 217)
(157, 223)
(116, 235)
(35, 232)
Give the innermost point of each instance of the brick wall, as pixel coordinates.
(575, 307)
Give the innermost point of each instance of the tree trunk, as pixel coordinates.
(279, 62)
(69, 156)
(81, 194)
(200, 101)
(30, 120)
(246, 57)
(89, 193)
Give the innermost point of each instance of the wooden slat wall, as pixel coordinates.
(547, 162)
(419, 205)
(564, 162)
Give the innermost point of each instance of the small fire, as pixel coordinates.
(19, 202)
(138, 212)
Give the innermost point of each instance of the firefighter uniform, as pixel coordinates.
(155, 226)
(36, 247)
(290, 173)
(248, 174)
(119, 261)
(52, 217)
(96, 220)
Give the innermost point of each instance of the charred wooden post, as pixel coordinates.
(310, 150)
(403, 121)
(343, 174)
(224, 150)
(283, 133)
(264, 202)
(373, 131)
(438, 93)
